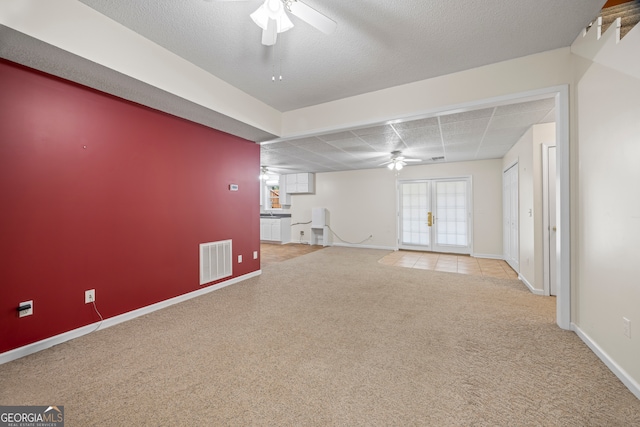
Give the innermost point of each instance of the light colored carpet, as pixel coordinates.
(333, 338)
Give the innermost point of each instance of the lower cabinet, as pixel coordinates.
(275, 229)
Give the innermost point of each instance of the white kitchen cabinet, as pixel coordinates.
(275, 229)
(285, 197)
(300, 183)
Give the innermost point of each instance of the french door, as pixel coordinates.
(435, 215)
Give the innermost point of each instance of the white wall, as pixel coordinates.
(360, 203)
(427, 97)
(607, 212)
(364, 202)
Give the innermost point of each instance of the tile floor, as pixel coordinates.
(463, 264)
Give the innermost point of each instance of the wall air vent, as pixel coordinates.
(215, 261)
(435, 159)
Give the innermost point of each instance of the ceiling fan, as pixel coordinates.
(398, 161)
(272, 17)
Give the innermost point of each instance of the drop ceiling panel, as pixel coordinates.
(467, 115)
(470, 135)
(336, 136)
(467, 127)
(374, 130)
(517, 120)
(523, 107)
(348, 142)
(431, 121)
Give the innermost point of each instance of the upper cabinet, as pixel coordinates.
(301, 183)
(285, 196)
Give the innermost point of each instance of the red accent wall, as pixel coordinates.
(101, 193)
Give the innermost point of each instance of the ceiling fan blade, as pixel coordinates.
(270, 33)
(412, 160)
(313, 17)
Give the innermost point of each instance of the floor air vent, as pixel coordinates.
(215, 261)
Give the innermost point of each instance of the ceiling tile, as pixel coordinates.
(422, 136)
(522, 107)
(374, 130)
(526, 119)
(349, 142)
(412, 124)
(550, 117)
(467, 115)
(336, 136)
(472, 126)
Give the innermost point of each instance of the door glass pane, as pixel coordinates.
(415, 205)
(452, 218)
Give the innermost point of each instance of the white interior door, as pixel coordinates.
(435, 215)
(510, 229)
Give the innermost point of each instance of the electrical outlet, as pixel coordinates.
(255, 254)
(239, 259)
(626, 325)
(89, 296)
(27, 312)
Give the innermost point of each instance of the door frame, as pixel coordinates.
(514, 164)
(546, 231)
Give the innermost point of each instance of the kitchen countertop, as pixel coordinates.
(275, 215)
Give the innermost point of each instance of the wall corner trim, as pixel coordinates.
(530, 286)
(35, 347)
(619, 372)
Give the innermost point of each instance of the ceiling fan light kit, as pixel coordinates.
(272, 17)
(270, 12)
(398, 161)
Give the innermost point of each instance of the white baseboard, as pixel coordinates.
(17, 353)
(530, 286)
(488, 256)
(349, 245)
(622, 375)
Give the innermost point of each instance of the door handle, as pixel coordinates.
(429, 219)
(553, 228)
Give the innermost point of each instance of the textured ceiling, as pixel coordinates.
(377, 44)
(486, 133)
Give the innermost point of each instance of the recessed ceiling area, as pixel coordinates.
(484, 133)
